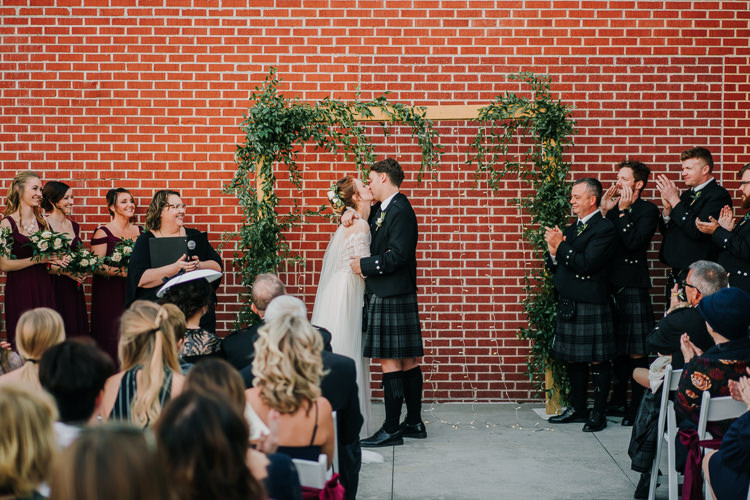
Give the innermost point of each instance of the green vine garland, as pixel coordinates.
(276, 128)
(542, 168)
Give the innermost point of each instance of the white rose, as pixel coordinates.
(43, 245)
(85, 263)
(127, 250)
(46, 235)
(116, 257)
(34, 238)
(57, 243)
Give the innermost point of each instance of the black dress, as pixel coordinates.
(140, 262)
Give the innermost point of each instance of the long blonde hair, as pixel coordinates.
(36, 331)
(147, 339)
(27, 443)
(287, 364)
(13, 198)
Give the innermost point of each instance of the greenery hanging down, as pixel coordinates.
(507, 124)
(276, 129)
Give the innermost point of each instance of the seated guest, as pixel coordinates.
(150, 374)
(727, 319)
(203, 441)
(74, 373)
(287, 369)
(728, 469)
(90, 469)
(36, 331)
(193, 294)
(27, 442)
(704, 279)
(277, 471)
(239, 346)
(339, 387)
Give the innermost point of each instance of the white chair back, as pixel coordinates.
(335, 463)
(312, 474)
(666, 433)
(716, 410)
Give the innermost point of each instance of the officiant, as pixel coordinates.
(168, 248)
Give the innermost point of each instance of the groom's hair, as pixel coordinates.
(266, 287)
(391, 168)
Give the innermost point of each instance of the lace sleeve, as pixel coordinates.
(358, 240)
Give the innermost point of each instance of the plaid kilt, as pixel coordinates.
(634, 320)
(393, 330)
(588, 337)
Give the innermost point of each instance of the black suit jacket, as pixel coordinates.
(683, 244)
(239, 346)
(339, 387)
(665, 337)
(392, 267)
(581, 270)
(634, 229)
(735, 255)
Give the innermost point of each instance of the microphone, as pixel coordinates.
(190, 246)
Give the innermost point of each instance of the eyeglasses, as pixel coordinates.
(742, 183)
(177, 207)
(686, 284)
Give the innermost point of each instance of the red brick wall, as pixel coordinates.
(103, 94)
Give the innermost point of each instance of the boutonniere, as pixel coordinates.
(379, 221)
(581, 228)
(695, 195)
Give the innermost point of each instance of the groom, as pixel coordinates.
(393, 332)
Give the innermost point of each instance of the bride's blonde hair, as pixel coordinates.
(346, 188)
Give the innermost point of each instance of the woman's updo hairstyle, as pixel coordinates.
(53, 192)
(341, 195)
(112, 196)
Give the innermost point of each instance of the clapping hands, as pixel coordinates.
(740, 389)
(553, 236)
(689, 350)
(670, 196)
(726, 220)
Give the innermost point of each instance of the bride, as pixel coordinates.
(338, 302)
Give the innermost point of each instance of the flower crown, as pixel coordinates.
(333, 197)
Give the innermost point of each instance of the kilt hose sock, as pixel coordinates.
(413, 395)
(393, 394)
(578, 374)
(600, 377)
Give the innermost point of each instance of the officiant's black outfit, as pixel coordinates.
(584, 331)
(393, 328)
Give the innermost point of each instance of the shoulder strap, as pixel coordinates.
(99, 241)
(12, 224)
(315, 427)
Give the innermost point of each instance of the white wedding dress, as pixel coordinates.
(338, 303)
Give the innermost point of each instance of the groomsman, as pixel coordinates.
(584, 333)
(393, 335)
(683, 243)
(733, 238)
(635, 222)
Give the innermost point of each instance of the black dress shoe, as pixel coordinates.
(382, 438)
(627, 421)
(568, 416)
(417, 431)
(644, 483)
(595, 423)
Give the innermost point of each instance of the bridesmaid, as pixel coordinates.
(108, 291)
(28, 285)
(57, 199)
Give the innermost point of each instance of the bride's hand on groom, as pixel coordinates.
(347, 218)
(356, 268)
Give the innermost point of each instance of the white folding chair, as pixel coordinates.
(715, 410)
(312, 474)
(666, 432)
(335, 443)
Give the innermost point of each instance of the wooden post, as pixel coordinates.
(553, 405)
(259, 179)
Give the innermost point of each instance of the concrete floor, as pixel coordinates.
(501, 451)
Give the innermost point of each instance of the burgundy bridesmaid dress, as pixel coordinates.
(27, 288)
(70, 300)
